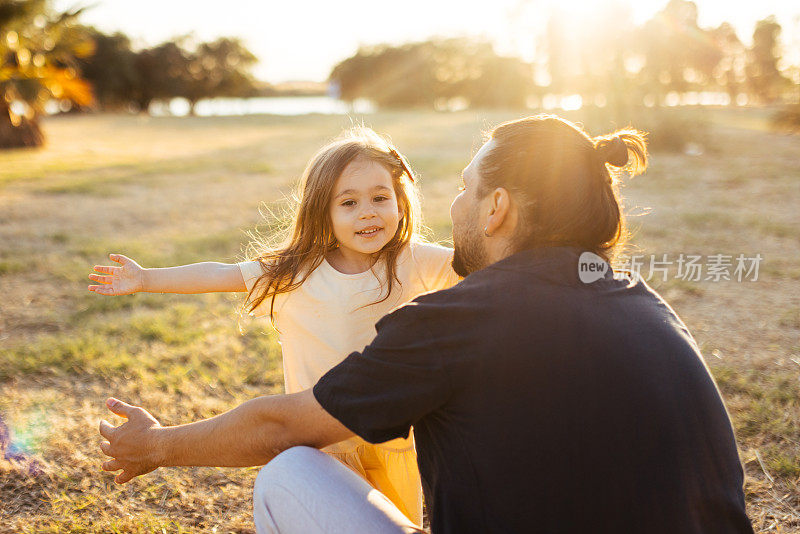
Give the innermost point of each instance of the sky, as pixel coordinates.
(302, 40)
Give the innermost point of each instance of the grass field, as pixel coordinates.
(171, 190)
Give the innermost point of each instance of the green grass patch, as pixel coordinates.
(764, 404)
(185, 342)
(95, 251)
(86, 352)
(11, 267)
(177, 325)
(60, 238)
(82, 186)
(223, 246)
(784, 463)
(776, 228)
(247, 166)
(706, 220)
(674, 283)
(790, 318)
(436, 168)
(91, 305)
(108, 181)
(765, 418)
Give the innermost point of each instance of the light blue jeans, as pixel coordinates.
(305, 491)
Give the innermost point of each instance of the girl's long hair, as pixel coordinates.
(310, 237)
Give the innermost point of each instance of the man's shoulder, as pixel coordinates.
(428, 306)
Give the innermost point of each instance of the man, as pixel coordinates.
(540, 402)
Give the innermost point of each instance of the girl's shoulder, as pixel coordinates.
(433, 264)
(252, 271)
(431, 252)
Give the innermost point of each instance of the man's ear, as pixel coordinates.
(500, 212)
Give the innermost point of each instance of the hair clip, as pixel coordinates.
(403, 163)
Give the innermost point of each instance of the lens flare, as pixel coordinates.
(17, 445)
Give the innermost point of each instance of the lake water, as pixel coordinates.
(289, 105)
(327, 105)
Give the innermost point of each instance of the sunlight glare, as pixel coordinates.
(571, 102)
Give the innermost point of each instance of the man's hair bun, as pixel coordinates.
(612, 150)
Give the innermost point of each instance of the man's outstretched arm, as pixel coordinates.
(250, 434)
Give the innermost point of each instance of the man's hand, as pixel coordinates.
(132, 445)
(250, 434)
(123, 280)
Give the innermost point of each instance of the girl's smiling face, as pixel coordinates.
(363, 210)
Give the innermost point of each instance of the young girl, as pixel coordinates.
(352, 255)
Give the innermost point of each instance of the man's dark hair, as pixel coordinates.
(563, 182)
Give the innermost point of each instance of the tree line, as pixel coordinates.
(422, 74)
(126, 79)
(49, 56)
(601, 56)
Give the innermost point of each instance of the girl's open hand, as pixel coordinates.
(123, 280)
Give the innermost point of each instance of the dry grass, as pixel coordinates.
(178, 190)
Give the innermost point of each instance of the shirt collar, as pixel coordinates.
(555, 264)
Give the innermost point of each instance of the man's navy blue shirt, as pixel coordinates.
(543, 404)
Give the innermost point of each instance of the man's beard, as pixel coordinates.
(469, 254)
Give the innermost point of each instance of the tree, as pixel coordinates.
(730, 73)
(390, 76)
(429, 72)
(473, 71)
(679, 55)
(561, 50)
(124, 78)
(111, 70)
(161, 73)
(218, 68)
(587, 55)
(764, 78)
(38, 50)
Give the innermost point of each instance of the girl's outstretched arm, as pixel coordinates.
(129, 277)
